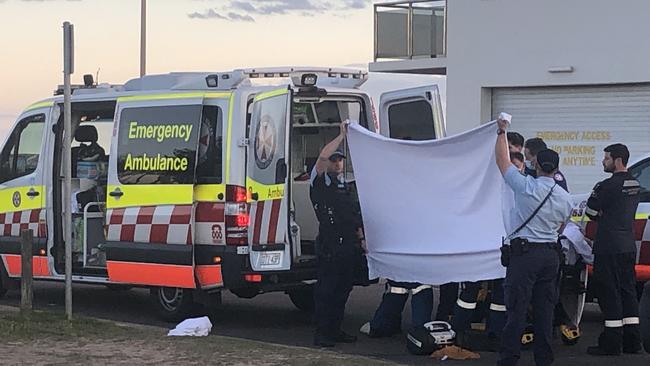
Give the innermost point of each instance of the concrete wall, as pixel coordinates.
(493, 43)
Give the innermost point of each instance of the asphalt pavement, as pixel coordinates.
(273, 318)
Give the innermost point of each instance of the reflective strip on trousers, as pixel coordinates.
(497, 307)
(397, 290)
(591, 211)
(630, 321)
(613, 323)
(466, 305)
(420, 288)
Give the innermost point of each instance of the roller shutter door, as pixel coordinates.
(579, 122)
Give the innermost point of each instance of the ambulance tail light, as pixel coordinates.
(236, 216)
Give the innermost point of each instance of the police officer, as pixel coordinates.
(613, 203)
(339, 234)
(531, 148)
(387, 320)
(532, 271)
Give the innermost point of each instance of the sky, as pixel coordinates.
(182, 35)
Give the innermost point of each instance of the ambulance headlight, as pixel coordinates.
(308, 80)
(212, 81)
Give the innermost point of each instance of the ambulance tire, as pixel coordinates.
(173, 304)
(303, 298)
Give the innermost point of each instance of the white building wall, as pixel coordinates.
(498, 43)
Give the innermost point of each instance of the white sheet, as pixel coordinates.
(432, 210)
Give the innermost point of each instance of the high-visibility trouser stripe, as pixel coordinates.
(591, 211)
(613, 323)
(466, 305)
(397, 290)
(420, 288)
(630, 321)
(497, 307)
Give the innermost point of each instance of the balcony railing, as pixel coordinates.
(410, 29)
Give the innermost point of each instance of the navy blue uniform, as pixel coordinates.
(613, 203)
(559, 178)
(532, 274)
(388, 317)
(336, 246)
(466, 305)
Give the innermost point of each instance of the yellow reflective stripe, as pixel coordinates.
(25, 202)
(638, 216)
(209, 192)
(48, 103)
(150, 195)
(231, 109)
(264, 192)
(167, 96)
(271, 94)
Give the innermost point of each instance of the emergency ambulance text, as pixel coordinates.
(157, 163)
(160, 132)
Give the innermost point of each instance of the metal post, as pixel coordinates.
(409, 30)
(143, 38)
(68, 68)
(375, 38)
(444, 32)
(26, 276)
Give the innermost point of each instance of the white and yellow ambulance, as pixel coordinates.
(190, 183)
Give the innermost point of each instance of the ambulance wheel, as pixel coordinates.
(173, 304)
(303, 298)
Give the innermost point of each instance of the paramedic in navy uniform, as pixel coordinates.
(340, 231)
(613, 204)
(534, 253)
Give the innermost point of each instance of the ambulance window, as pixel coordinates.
(21, 153)
(267, 146)
(411, 121)
(641, 172)
(209, 166)
(157, 145)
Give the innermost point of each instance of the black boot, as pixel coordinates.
(343, 337)
(609, 343)
(632, 339)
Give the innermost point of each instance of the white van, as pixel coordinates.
(190, 183)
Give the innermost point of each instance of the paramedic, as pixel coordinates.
(531, 148)
(533, 264)
(515, 142)
(613, 203)
(340, 231)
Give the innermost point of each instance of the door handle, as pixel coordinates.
(116, 193)
(32, 193)
(255, 196)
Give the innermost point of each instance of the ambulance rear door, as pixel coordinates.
(22, 192)
(412, 114)
(267, 181)
(149, 218)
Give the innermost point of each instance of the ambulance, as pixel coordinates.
(190, 183)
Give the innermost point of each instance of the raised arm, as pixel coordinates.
(330, 148)
(501, 149)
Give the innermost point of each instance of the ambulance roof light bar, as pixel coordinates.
(326, 76)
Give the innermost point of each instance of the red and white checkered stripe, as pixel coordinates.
(166, 224)
(209, 223)
(268, 226)
(12, 223)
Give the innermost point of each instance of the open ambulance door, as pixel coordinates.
(22, 192)
(412, 114)
(267, 172)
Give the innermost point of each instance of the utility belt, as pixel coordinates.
(520, 246)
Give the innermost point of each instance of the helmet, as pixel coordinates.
(429, 337)
(419, 341)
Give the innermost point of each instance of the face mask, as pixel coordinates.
(529, 164)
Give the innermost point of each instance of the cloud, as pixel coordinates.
(212, 14)
(244, 10)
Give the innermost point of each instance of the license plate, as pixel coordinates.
(271, 259)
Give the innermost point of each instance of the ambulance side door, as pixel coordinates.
(412, 114)
(150, 195)
(22, 193)
(641, 172)
(266, 181)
